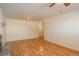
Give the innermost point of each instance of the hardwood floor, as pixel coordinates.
(39, 47)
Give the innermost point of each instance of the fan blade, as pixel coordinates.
(66, 4)
(52, 4)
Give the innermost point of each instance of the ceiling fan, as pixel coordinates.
(66, 4)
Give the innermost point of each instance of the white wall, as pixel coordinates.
(63, 30)
(21, 29)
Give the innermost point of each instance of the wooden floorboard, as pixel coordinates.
(39, 47)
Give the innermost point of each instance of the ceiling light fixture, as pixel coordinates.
(59, 3)
(28, 17)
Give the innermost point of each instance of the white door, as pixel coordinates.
(2, 28)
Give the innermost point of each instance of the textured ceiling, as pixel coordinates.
(38, 11)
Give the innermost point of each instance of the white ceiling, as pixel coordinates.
(38, 11)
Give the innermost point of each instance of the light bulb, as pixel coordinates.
(27, 18)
